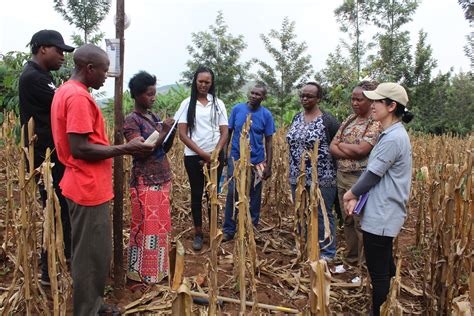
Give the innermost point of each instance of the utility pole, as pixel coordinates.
(119, 272)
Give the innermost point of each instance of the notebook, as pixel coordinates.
(360, 203)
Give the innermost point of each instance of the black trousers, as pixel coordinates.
(194, 168)
(379, 260)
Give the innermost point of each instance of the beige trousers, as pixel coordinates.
(352, 231)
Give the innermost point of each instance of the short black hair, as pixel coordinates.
(367, 85)
(319, 94)
(262, 86)
(140, 82)
(35, 49)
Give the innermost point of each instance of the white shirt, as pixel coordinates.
(206, 133)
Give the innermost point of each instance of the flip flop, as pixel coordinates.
(109, 310)
(143, 288)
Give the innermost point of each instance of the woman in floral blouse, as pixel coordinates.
(307, 127)
(351, 147)
(149, 187)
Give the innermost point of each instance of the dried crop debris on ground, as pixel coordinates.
(279, 280)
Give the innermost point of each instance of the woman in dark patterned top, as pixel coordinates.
(149, 187)
(307, 127)
(351, 147)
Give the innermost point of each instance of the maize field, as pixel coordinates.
(271, 269)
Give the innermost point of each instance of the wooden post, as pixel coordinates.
(119, 274)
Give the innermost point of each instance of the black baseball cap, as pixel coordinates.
(50, 38)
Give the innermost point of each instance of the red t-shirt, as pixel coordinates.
(73, 110)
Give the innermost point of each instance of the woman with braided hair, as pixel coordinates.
(203, 128)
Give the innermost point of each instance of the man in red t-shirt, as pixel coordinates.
(82, 146)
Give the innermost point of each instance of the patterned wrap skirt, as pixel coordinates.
(150, 232)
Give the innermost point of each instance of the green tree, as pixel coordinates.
(393, 61)
(460, 100)
(428, 102)
(86, 16)
(338, 79)
(292, 66)
(421, 102)
(220, 51)
(11, 66)
(352, 16)
(424, 61)
(444, 105)
(468, 8)
(339, 70)
(166, 104)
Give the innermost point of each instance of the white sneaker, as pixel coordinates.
(326, 258)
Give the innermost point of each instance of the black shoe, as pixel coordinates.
(197, 243)
(227, 237)
(109, 310)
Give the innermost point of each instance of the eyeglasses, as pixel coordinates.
(307, 96)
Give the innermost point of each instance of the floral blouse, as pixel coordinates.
(154, 169)
(353, 130)
(301, 136)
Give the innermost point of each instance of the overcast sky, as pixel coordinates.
(160, 30)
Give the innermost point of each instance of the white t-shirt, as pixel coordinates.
(205, 134)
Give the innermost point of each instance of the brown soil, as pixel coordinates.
(273, 291)
(270, 290)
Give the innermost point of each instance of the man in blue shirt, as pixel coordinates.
(262, 127)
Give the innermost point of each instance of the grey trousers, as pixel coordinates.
(91, 255)
(352, 231)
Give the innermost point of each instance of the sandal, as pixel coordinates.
(143, 288)
(108, 310)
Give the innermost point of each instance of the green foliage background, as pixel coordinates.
(442, 103)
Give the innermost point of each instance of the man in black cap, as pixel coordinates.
(36, 91)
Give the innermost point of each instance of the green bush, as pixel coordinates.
(11, 66)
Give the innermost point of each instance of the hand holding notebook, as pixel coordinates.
(361, 203)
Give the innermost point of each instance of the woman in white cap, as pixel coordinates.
(387, 180)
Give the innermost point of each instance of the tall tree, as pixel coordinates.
(292, 66)
(460, 105)
(393, 60)
(86, 16)
(338, 79)
(444, 104)
(220, 51)
(468, 8)
(339, 70)
(352, 16)
(424, 92)
(424, 61)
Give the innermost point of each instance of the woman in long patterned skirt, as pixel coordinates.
(150, 185)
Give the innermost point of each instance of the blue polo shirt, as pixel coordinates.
(262, 125)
